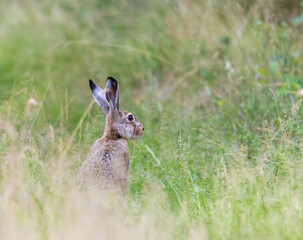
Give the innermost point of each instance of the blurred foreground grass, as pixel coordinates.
(215, 84)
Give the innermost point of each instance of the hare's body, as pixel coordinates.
(107, 164)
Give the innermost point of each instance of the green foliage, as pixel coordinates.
(216, 85)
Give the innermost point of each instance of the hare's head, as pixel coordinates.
(119, 123)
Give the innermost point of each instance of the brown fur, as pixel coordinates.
(107, 164)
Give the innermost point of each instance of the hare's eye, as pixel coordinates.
(130, 117)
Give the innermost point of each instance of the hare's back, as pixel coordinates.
(90, 167)
(107, 160)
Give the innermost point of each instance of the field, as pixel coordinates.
(218, 86)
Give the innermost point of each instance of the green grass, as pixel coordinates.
(215, 84)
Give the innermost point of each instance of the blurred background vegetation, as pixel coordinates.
(217, 85)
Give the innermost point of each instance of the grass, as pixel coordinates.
(215, 84)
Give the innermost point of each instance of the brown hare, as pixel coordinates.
(107, 164)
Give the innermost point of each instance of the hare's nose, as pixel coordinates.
(142, 128)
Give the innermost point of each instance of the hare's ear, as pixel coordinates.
(99, 96)
(112, 93)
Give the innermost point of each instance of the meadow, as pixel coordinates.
(217, 85)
